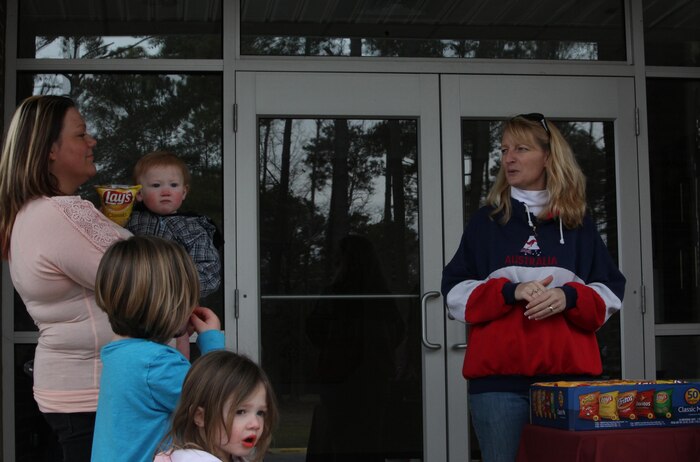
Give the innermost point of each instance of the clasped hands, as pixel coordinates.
(542, 302)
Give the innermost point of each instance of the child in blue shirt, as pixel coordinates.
(149, 288)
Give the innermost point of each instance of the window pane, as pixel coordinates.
(339, 272)
(518, 29)
(674, 121)
(678, 357)
(133, 114)
(671, 33)
(593, 144)
(120, 29)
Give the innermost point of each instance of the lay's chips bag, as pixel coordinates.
(117, 201)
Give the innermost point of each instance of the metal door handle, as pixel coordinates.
(424, 308)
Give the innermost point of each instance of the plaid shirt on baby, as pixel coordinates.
(196, 233)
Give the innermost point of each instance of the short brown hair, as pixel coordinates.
(213, 380)
(148, 286)
(161, 159)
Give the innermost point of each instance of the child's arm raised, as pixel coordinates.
(208, 327)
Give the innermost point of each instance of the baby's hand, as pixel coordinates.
(204, 319)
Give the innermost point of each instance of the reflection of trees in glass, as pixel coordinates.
(132, 114)
(77, 47)
(323, 179)
(428, 48)
(192, 46)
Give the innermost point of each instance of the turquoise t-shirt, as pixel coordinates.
(140, 386)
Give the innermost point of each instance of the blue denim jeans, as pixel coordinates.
(498, 419)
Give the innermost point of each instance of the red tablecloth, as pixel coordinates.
(543, 444)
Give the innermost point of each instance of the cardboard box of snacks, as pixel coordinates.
(612, 404)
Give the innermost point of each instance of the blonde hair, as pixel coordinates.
(24, 167)
(565, 181)
(215, 379)
(161, 159)
(148, 286)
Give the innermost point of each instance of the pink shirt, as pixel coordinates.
(56, 246)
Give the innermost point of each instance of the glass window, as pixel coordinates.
(674, 155)
(593, 144)
(120, 29)
(340, 287)
(678, 357)
(133, 114)
(671, 34)
(517, 29)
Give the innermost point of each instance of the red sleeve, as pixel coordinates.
(486, 302)
(589, 312)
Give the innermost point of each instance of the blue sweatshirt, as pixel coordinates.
(479, 283)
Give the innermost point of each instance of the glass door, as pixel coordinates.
(596, 115)
(339, 259)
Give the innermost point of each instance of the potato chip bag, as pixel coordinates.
(608, 405)
(662, 403)
(589, 406)
(117, 201)
(626, 404)
(644, 406)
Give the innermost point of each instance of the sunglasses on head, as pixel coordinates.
(536, 117)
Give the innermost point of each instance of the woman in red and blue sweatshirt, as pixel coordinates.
(533, 281)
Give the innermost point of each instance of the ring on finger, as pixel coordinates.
(551, 308)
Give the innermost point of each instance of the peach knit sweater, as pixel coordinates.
(56, 246)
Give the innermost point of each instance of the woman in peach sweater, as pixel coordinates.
(54, 241)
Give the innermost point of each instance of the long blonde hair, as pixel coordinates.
(216, 379)
(565, 181)
(24, 166)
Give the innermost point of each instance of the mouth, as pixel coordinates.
(249, 442)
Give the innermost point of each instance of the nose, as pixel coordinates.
(507, 156)
(92, 142)
(255, 423)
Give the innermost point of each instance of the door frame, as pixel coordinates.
(585, 98)
(298, 94)
(439, 102)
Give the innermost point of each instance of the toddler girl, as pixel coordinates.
(149, 289)
(226, 412)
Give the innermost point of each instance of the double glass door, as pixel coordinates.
(351, 192)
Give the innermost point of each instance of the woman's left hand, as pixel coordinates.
(547, 303)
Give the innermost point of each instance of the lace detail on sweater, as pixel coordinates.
(87, 220)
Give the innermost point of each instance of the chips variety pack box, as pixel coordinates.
(611, 404)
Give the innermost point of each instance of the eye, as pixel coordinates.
(262, 413)
(240, 412)
(155, 185)
(174, 185)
